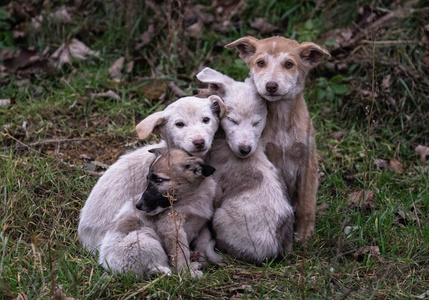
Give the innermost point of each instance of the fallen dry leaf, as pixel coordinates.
(369, 250)
(381, 163)
(75, 49)
(197, 13)
(108, 94)
(61, 15)
(369, 94)
(263, 26)
(238, 292)
(421, 169)
(59, 295)
(362, 199)
(146, 37)
(426, 60)
(385, 84)
(4, 102)
(423, 151)
(115, 70)
(340, 36)
(425, 39)
(129, 66)
(396, 165)
(407, 217)
(195, 30)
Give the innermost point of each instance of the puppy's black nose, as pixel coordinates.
(271, 86)
(244, 150)
(199, 144)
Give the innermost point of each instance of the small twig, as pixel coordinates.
(16, 140)
(57, 141)
(390, 42)
(400, 13)
(176, 90)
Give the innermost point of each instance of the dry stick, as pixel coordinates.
(176, 90)
(173, 214)
(388, 42)
(16, 140)
(399, 13)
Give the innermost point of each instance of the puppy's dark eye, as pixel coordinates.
(187, 166)
(288, 65)
(158, 179)
(180, 124)
(206, 120)
(232, 120)
(261, 63)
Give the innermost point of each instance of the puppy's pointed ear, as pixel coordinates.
(158, 151)
(151, 124)
(207, 170)
(218, 82)
(246, 46)
(218, 107)
(312, 54)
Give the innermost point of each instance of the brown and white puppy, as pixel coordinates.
(278, 67)
(172, 217)
(188, 123)
(253, 218)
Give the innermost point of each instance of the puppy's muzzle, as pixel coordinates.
(271, 87)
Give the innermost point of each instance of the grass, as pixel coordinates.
(55, 130)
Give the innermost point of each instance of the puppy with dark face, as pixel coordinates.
(172, 215)
(173, 176)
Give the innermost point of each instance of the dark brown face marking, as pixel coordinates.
(174, 175)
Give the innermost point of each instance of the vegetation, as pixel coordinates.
(369, 103)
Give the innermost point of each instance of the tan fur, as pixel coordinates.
(289, 133)
(161, 239)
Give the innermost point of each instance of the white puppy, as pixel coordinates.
(189, 124)
(254, 220)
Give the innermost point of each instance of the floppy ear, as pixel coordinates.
(150, 124)
(158, 151)
(218, 106)
(217, 81)
(207, 170)
(246, 46)
(312, 54)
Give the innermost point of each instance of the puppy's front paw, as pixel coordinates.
(160, 270)
(303, 234)
(194, 269)
(196, 265)
(196, 273)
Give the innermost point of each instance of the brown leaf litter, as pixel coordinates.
(59, 295)
(25, 62)
(392, 164)
(367, 250)
(406, 218)
(115, 71)
(422, 151)
(106, 95)
(74, 49)
(61, 15)
(363, 199)
(263, 26)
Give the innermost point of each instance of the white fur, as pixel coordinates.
(125, 179)
(254, 220)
